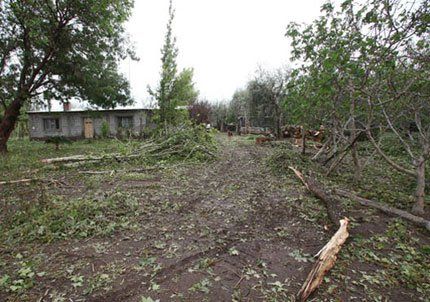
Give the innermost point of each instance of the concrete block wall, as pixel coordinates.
(72, 122)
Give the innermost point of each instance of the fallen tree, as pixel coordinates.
(326, 259)
(385, 208)
(331, 203)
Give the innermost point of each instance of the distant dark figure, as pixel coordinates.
(229, 134)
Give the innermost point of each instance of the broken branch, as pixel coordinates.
(385, 208)
(326, 259)
(331, 203)
(19, 181)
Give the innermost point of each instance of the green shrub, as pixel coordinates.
(105, 129)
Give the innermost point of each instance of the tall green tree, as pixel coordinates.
(174, 89)
(61, 49)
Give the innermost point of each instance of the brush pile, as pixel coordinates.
(192, 143)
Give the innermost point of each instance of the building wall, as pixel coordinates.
(72, 123)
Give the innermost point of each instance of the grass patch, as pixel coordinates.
(24, 157)
(59, 219)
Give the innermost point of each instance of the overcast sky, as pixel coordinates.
(223, 40)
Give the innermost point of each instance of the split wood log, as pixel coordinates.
(385, 208)
(19, 181)
(331, 203)
(326, 259)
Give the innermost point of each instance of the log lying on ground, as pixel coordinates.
(83, 158)
(19, 181)
(75, 158)
(331, 203)
(326, 259)
(385, 208)
(139, 170)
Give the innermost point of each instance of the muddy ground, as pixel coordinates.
(228, 230)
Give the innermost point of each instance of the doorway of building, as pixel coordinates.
(88, 127)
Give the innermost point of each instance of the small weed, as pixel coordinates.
(202, 286)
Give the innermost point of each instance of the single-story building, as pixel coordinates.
(76, 124)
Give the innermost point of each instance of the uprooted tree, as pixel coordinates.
(61, 49)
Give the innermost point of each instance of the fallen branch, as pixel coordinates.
(111, 172)
(331, 203)
(342, 152)
(326, 259)
(139, 170)
(83, 158)
(385, 208)
(19, 181)
(75, 158)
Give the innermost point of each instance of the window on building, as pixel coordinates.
(125, 122)
(51, 124)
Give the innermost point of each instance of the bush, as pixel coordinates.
(105, 129)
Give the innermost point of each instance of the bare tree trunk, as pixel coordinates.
(418, 208)
(303, 140)
(7, 124)
(354, 149)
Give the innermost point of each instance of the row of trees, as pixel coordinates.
(365, 66)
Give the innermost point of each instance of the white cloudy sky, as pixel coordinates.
(223, 40)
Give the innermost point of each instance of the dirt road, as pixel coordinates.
(228, 230)
(219, 231)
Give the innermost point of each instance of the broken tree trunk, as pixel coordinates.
(326, 259)
(385, 208)
(331, 203)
